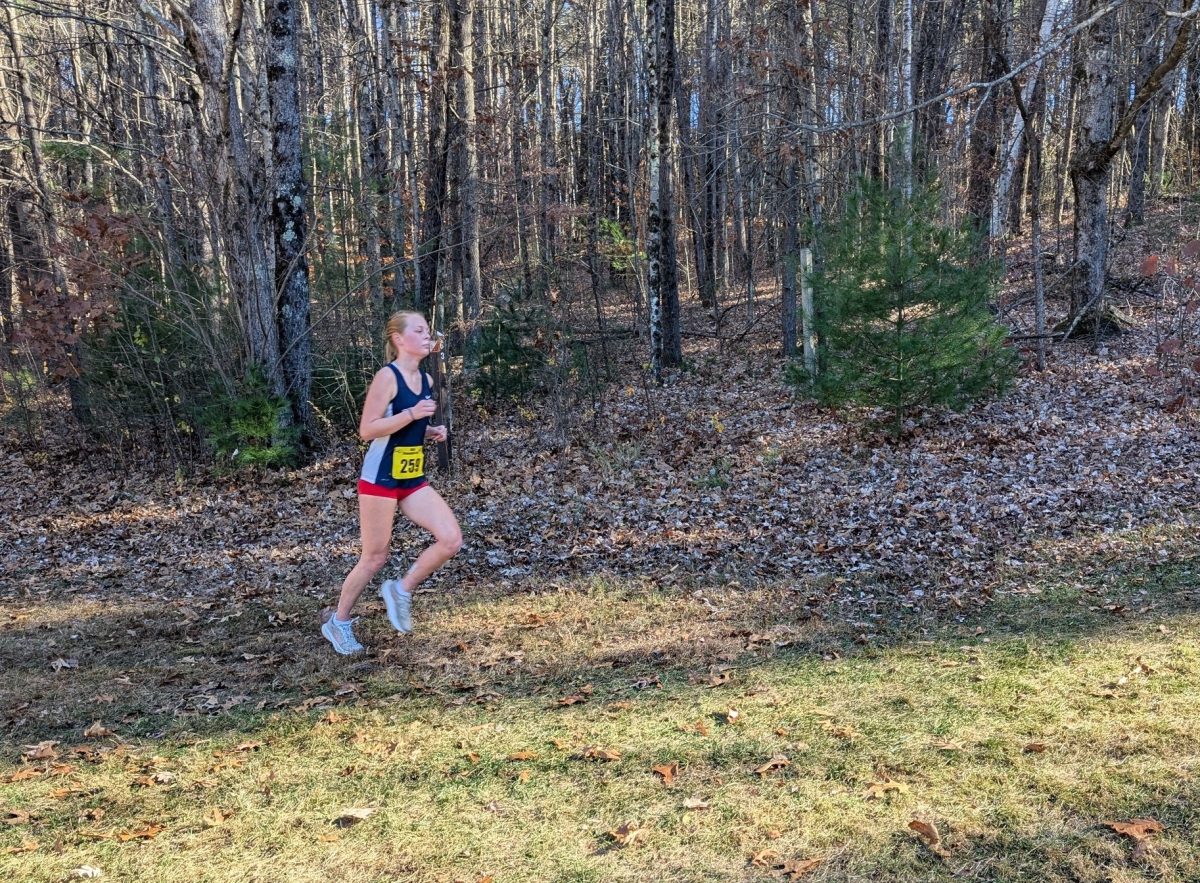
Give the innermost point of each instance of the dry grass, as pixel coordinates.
(1018, 733)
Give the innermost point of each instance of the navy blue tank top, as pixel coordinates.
(398, 460)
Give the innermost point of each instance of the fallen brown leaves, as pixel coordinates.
(215, 816)
(879, 790)
(789, 869)
(143, 832)
(777, 762)
(40, 751)
(667, 772)
(781, 489)
(629, 834)
(795, 869)
(97, 731)
(595, 752)
(1139, 831)
(929, 834)
(584, 694)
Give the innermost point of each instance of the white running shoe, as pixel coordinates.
(399, 606)
(341, 635)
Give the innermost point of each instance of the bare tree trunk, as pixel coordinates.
(409, 115)
(693, 194)
(161, 175)
(909, 96)
(9, 138)
(593, 134)
(985, 133)
(1011, 157)
(795, 29)
(370, 162)
(290, 210)
(940, 24)
(1063, 174)
(550, 178)
(399, 153)
(704, 194)
(1190, 123)
(1102, 135)
(1091, 167)
(517, 112)
(1160, 137)
(1148, 54)
(430, 250)
(713, 123)
(24, 267)
(665, 343)
(468, 183)
(212, 37)
(886, 86)
(7, 275)
(1034, 144)
(37, 223)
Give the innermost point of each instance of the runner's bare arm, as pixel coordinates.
(374, 424)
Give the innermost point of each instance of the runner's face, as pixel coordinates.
(415, 338)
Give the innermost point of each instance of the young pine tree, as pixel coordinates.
(904, 322)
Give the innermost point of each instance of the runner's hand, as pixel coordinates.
(423, 409)
(436, 433)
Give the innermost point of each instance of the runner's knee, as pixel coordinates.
(374, 561)
(450, 541)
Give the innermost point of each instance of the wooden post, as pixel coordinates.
(444, 415)
(806, 311)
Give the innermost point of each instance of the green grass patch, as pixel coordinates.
(515, 737)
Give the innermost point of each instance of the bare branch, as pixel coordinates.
(1052, 46)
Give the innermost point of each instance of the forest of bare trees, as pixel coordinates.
(209, 199)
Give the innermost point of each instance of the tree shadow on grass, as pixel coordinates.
(151, 669)
(485, 656)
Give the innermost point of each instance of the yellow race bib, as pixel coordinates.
(408, 461)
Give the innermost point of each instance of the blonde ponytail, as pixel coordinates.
(396, 324)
